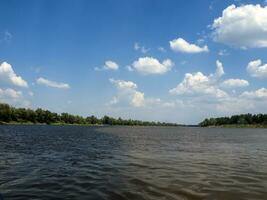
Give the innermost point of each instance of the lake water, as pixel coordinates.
(76, 162)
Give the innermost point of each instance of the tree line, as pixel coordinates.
(244, 119)
(10, 114)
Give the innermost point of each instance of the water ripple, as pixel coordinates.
(75, 162)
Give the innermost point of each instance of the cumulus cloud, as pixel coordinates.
(10, 93)
(197, 84)
(13, 97)
(8, 75)
(127, 91)
(150, 65)
(242, 27)
(181, 45)
(234, 105)
(109, 65)
(129, 95)
(257, 94)
(232, 83)
(257, 69)
(200, 93)
(138, 99)
(124, 85)
(49, 83)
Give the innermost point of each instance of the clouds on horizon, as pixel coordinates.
(13, 97)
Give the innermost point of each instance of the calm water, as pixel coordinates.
(73, 162)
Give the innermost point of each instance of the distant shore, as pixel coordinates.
(238, 126)
(54, 124)
(89, 125)
(13, 115)
(105, 125)
(237, 121)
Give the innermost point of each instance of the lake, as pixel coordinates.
(79, 162)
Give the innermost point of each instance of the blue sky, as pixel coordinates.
(176, 61)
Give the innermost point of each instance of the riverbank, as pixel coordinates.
(239, 126)
(97, 125)
(54, 124)
(101, 125)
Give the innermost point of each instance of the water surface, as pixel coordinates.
(76, 162)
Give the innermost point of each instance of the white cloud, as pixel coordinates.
(243, 27)
(232, 83)
(121, 84)
(200, 93)
(219, 69)
(109, 65)
(256, 69)
(181, 45)
(10, 93)
(258, 94)
(150, 65)
(198, 84)
(137, 47)
(49, 83)
(129, 95)
(13, 97)
(8, 75)
(127, 92)
(138, 99)
(235, 105)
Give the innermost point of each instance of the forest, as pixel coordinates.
(9, 114)
(243, 119)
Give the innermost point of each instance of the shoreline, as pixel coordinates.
(238, 126)
(107, 125)
(91, 125)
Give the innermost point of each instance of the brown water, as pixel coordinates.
(74, 162)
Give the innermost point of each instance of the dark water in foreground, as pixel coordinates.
(73, 162)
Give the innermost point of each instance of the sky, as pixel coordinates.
(174, 61)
